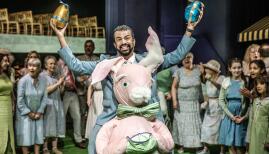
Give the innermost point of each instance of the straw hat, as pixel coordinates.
(213, 65)
(4, 51)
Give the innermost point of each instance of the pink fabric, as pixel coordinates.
(135, 76)
(132, 86)
(103, 68)
(111, 138)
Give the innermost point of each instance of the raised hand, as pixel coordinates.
(202, 68)
(192, 25)
(61, 80)
(245, 92)
(59, 33)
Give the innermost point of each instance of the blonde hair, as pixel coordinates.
(248, 50)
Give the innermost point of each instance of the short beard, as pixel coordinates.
(125, 53)
(88, 53)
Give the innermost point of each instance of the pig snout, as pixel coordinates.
(140, 95)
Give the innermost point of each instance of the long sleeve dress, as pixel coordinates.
(232, 103)
(54, 117)
(6, 117)
(30, 99)
(259, 126)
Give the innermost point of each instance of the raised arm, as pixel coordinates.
(53, 87)
(74, 64)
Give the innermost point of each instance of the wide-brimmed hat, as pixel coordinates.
(213, 65)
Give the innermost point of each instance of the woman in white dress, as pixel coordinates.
(94, 101)
(213, 113)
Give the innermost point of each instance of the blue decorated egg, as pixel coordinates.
(193, 11)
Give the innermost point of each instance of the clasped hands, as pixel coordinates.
(237, 119)
(35, 115)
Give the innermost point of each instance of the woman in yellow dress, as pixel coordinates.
(6, 116)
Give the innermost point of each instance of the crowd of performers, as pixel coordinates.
(235, 107)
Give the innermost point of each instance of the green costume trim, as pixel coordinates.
(142, 143)
(149, 111)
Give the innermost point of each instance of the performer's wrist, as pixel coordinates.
(190, 29)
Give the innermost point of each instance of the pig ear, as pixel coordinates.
(103, 68)
(154, 57)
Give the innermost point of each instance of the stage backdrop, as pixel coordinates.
(47, 44)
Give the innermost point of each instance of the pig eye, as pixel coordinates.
(125, 84)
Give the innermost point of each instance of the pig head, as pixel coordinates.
(132, 84)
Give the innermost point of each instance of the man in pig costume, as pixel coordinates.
(135, 128)
(124, 42)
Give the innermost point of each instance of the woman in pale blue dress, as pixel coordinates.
(186, 93)
(54, 118)
(31, 103)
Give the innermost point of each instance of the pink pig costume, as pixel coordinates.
(132, 87)
(135, 129)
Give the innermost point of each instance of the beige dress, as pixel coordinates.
(95, 109)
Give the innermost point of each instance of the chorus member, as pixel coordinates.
(233, 125)
(186, 92)
(6, 114)
(259, 122)
(31, 103)
(54, 117)
(213, 112)
(252, 53)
